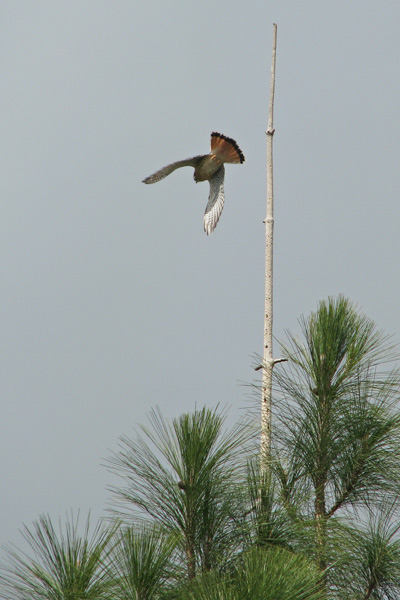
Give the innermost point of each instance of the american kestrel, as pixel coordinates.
(208, 167)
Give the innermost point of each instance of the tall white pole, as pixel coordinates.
(268, 361)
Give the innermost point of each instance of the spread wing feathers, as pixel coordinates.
(215, 201)
(225, 148)
(165, 171)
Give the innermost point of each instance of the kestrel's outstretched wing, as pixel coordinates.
(165, 171)
(215, 201)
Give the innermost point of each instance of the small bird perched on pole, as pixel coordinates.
(208, 167)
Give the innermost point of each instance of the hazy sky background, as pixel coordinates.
(113, 299)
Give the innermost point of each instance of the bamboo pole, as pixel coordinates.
(268, 361)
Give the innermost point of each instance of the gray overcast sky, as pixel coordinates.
(113, 300)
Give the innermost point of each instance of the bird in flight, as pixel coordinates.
(208, 167)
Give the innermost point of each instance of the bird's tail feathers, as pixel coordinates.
(226, 149)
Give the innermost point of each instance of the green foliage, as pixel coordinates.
(63, 566)
(368, 564)
(337, 440)
(140, 563)
(338, 427)
(185, 476)
(273, 574)
(267, 523)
